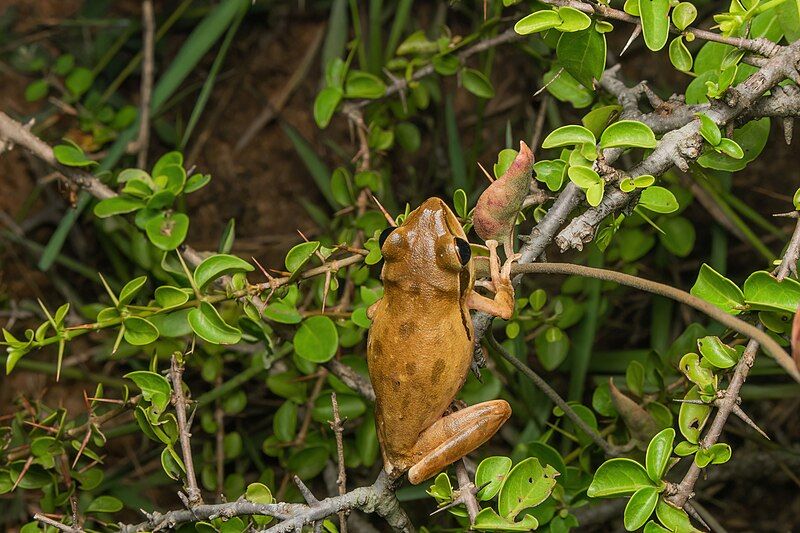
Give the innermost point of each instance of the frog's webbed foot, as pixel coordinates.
(453, 436)
(503, 303)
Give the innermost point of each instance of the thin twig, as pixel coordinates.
(149, 27)
(58, 525)
(184, 431)
(466, 491)
(341, 479)
(550, 392)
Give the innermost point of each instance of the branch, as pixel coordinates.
(683, 491)
(730, 321)
(58, 525)
(760, 46)
(679, 146)
(184, 431)
(341, 479)
(143, 139)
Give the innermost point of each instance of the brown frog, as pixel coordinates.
(421, 341)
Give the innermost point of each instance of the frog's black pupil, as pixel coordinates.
(385, 235)
(464, 251)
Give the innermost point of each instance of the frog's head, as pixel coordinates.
(430, 244)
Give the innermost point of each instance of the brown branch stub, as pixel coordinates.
(341, 479)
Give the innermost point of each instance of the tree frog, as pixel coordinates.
(421, 340)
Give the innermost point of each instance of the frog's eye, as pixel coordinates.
(385, 235)
(463, 250)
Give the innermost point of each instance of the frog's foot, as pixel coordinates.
(503, 303)
(453, 436)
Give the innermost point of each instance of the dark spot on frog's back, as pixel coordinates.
(411, 368)
(407, 328)
(436, 371)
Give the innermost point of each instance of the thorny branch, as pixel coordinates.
(184, 431)
(684, 491)
(679, 144)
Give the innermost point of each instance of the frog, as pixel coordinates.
(421, 340)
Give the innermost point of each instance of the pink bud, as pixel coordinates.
(499, 205)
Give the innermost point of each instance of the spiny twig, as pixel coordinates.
(341, 480)
(184, 431)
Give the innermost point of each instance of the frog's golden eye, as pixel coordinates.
(463, 251)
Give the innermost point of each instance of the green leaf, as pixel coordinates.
(477, 83)
(209, 326)
(730, 148)
(196, 182)
(583, 54)
(654, 16)
(627, 133)
(598, 119)
(408, 136)
(640, 507)
(71, 156)
(64, 64)
(634, 377)
(139, 331)
(697, 373)
(155, 387)
(170, 463)
(685, 448)
(674, 519)
(764, 292)
(692, 416)
(117, 205)
(709, 130)
(720, 453)
(574, 20)
(538, 21)
(751, 138)
(488, 520)
(284, 425)
(658, 199)
(679, 235)
(717, 353)
(679, 55)
(79, 81)
(325, 105)
(504, 160)
(300, 254)
(168, 297)
(617, 477)
(283, 313)
(351, 407)
(658, 453)
(36, 90)
(130, 290)
(167, 230)
(360, 84)
(527, 485)
(217, 266)
(552, 347)
(460, 203)
(716, 289)
(683, 14)
(551, 173)
(317, 339)
(491, 474)
(583, 177)
(568, 136)
(104, 504)
(309, 462)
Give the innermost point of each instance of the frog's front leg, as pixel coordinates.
(503, 303)
(453, 436)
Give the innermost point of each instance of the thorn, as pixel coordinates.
(749, 421)
(383, 210)
(485, 173)
(691, 511)
(543, 87)
(308, 496)
(788, 128)
(23, 472)
(637, 30)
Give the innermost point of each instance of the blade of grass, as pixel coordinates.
(336, 38)
(583, 339)
(319, 171)
(398, 26)
(375, 49)
(362, 53)
(208, 86)
(455, 152)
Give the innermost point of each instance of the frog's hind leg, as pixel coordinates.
(453, 436)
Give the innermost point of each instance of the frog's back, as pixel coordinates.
(418, 358)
